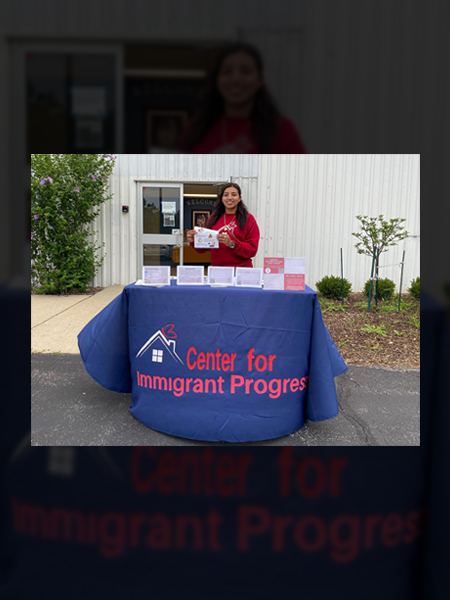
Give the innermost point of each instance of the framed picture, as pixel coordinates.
(163, 130)
(200, 218)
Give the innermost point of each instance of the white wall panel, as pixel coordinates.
(172, 19)
(305, 205)
(308, 206)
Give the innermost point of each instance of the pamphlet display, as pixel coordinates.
(205, 238)
(155, 276)
(222, 276)
(248, 277)
(284, 274)
(190, 275)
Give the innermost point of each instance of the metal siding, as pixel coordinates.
(308, 204)
(169, 20)
(305, 205)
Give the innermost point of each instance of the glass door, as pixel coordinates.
(161, 225)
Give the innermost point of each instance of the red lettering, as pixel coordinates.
(247, 385)
(370, 523)
(344, 538)
(220, 382)
(201, 361)
(226, 474)
(218, 355)
(236, 381)
(258, 361)
(141, 484)
(412, 522)
(250, 357)
(252, 520)
(264, 385)
(275, 388)
(210, 357)
(194, 351)
(318, 469)
(213, 385)
(195, 524)
(294, 385)
(310, 543)
(285, 462)
(391, 530)
(213, 520)
(272, 357)
(279, 526)
(336, 466)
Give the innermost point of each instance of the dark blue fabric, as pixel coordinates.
(174, 320)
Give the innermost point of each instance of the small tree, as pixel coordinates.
(381, 234)
(66, 193)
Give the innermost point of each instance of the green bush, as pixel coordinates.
(414, 290)
(66, 193)
(386, 288)
(331, 287)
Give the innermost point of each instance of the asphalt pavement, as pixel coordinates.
(378, 406)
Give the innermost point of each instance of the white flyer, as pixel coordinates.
(205, 238)
(294, 266)
(248, 277)
(221, 276)
(168, 208)
(155, 276)
(190, 275)
(274, 281)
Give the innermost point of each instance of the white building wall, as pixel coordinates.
(308, 204)
(305, 206)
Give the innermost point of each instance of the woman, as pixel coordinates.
(238, 115)
(238, 230)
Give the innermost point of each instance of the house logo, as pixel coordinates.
(162, 343)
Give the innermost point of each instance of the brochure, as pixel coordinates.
(248, 277)
(221, 276)
(284, 274)
(190, 275)
(155, 276)
(205, 238)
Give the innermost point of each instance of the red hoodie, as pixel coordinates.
(246, 243)
(232, 135)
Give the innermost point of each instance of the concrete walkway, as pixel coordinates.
(57, 320)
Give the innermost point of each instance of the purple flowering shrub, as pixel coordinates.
(66, 193)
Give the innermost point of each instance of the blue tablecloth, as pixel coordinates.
(216, 364)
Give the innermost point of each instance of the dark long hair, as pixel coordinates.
(264, 119)
(219, 208)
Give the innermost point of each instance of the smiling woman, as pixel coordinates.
(238, 114)
(238, 230)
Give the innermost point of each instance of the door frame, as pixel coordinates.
(157, 238)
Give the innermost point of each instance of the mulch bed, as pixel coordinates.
(372, 348)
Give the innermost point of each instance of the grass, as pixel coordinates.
(327, 305)
(379, 329)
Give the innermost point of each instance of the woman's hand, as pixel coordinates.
(190, 236)
(224, 238)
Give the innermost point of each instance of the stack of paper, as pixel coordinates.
(284, 274)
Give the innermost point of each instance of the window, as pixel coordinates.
(157, 356)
